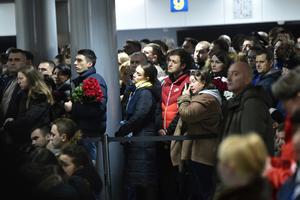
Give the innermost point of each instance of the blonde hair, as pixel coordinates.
(245, 153)
(37, 86)
(124, 72)
(122, 58)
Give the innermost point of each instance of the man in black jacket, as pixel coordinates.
(90, 116)
(9, 89)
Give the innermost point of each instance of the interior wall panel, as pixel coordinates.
(278, 10)
(130, 14)
(205, 12)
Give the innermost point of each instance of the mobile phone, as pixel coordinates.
(186, 85)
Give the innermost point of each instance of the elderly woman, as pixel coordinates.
(200, 113)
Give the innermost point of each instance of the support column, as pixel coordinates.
(93, 26)
(46, 29)
(36, 28)
(25, 24)
(62, 19)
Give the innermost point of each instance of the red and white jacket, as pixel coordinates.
(170, 93)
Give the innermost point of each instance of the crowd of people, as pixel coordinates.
(47, 130)
(244, 94)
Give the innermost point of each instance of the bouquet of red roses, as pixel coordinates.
(88, 91)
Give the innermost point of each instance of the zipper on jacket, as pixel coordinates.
(168, 99)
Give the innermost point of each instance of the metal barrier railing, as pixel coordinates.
(105, 139)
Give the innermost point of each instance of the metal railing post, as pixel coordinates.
(106, 164)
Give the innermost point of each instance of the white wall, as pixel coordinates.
(152, 34)
(279, 10)
(145, 14)
(149, 14)
(7, 19)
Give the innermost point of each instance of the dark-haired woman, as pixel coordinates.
(140, 120)
(220, 62)
(77, 164)
(200, 113)
(61, 76)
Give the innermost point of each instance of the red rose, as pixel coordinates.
(91, 91)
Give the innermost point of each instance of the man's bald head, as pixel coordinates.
(239, 77)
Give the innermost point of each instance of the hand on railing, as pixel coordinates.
(162, 132)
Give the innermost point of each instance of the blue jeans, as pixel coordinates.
(90, 146)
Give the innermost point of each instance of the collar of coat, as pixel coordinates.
(84, 75)
(250, 92)
(178, 81)
(143, 84)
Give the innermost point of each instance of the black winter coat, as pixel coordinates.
(37, 114)
(140, 157)
(61, 95)
(12, 108)
(92, 177)
(90, 117)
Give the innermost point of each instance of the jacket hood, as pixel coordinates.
(213, 92)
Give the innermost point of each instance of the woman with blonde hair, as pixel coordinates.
(32, 107)
(242, 160)
(31, 80)
(122, 57)
(124, 71)
(124, 74)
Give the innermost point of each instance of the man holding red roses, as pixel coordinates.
(89, 98)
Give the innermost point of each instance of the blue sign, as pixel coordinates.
(179, 5)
